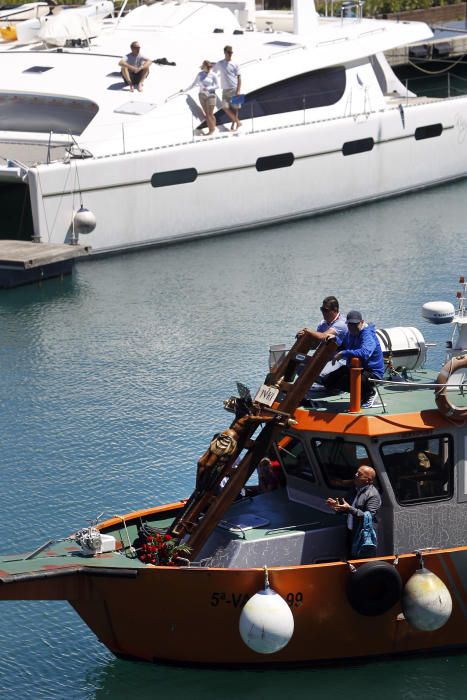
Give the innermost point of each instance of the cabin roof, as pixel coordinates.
(405, 410)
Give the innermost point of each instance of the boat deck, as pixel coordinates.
(394, 398)
(59, 556)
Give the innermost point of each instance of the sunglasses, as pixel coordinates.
(324, 308)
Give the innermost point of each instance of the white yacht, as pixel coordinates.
(325, 124)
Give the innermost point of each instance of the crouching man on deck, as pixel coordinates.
(135, 68)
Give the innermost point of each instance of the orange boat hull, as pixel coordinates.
(191, 615)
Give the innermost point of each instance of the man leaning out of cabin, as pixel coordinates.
(363, 498)
(361, 342)
(135, 67)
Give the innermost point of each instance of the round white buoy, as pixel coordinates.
(266, 622)
(438, 312)
(84, 221)
(426, 601)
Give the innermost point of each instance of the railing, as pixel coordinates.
(348, 9)
(116, 138)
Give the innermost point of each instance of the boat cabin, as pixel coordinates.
(420, 465)
(415, 442)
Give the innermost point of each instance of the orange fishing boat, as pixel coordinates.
(236, 575)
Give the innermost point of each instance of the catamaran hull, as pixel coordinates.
(234, 182)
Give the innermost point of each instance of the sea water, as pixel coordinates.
(112, 386)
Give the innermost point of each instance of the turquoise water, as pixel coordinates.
(112, 385)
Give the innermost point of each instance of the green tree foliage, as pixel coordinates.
(380, 7)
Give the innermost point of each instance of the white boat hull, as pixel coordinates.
(230, 194)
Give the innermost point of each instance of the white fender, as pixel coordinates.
(266, 622)
(426, 601)
(84, 221)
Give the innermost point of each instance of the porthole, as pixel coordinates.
(428, 132)
(174, 177)
(350, 148)
(280, 160)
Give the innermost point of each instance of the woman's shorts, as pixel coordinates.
(207, 100)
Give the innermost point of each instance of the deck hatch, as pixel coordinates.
(38, 69)
(281, 160)
(428, 132)
(281, 43)
(174, 177)
(350, 148)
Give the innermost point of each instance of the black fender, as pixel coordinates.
(374, 588)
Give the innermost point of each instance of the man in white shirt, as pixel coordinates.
(135, 67)
(231, 83)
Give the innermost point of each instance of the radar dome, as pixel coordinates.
(438, 312)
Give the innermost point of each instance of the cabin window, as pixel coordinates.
(339, 460)
(350, 148)
(174, 177)
(294, 458)
(281, 160)
(319, 88)
(428, 132)
(420, 469)
(42, 114)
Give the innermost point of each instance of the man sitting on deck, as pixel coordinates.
(360, 341)
(135, 68)
(332, 322)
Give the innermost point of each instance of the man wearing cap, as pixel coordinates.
(360, 341)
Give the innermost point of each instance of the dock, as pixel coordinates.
(24, 262)
(449, 43)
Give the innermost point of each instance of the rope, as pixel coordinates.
(436, 72)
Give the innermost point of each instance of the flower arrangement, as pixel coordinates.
(162, 549)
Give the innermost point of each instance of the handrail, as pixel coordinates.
(419, 385)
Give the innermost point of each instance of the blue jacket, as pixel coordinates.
(364, 542)
(366, 347)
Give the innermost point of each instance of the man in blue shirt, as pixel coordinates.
(360, 341)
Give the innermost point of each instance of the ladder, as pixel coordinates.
(233, 455)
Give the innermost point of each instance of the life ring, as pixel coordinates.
(374, 588)
(444, 405)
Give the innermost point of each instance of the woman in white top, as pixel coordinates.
(208, 83)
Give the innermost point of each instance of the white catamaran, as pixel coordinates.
(325, 124)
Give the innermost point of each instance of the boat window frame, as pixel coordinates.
(41, 113)
(323, 468)
(280, 456)
(292, 94)
(429, 131)
(171, 178)
(448, 466)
